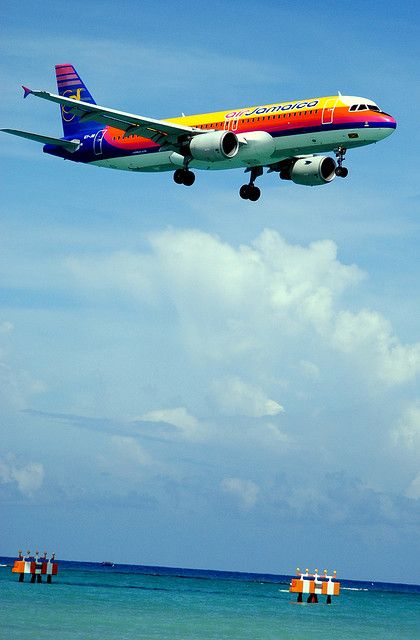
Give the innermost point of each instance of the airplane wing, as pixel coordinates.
(70, 145)
(160, 131)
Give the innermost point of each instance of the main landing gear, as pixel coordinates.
(250, 191)
(340, 170)
(184, 176)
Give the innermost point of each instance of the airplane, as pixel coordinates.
(283, 138)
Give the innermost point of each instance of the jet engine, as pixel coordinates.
(255, 146)
(214, 146)
(311, 171)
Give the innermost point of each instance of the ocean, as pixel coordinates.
(89, 601)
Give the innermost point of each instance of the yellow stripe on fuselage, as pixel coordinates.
(219, 118)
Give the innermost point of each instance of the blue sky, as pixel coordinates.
(188, 379)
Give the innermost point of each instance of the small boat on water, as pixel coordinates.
(107, 564)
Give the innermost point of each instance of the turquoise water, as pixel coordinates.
(103, 603)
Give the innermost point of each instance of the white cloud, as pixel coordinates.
(276, 434)
(245, 491)
(367, 337)
(406, 433)
(129, 451)
(261, 298)
(179, 417)
(236, 397)
(29, 478)
(125, 459)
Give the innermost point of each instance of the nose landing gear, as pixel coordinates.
(250, 191)
(340, 170)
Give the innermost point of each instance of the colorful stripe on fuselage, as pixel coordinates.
(316, 115)
(281, 119)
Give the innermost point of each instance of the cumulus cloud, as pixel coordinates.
(236, 397)
(268, 278)
(28, 478)
(262, 325)
(234, 301)
(367, 337)
(245, 491)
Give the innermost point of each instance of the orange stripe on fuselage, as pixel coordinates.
(280, 122)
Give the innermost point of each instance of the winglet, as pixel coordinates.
(26, 91)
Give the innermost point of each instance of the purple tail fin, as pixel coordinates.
(71, 85)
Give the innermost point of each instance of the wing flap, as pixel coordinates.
(70, 145)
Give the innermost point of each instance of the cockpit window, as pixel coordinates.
(364, 107)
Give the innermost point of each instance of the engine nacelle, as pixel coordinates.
(214, 146)
(256, 146)
(313, 171)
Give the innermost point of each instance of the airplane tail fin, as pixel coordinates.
(70, 84)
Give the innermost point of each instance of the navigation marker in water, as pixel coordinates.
(35, 567)
(314, 585)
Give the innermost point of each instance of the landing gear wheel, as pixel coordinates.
(342, 172)
(184, 176)
(254, 193)
(189, 178)
(244, 192)
(179, 176)
(249, 192)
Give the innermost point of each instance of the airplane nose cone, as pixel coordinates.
(390, 121)
(386, 125)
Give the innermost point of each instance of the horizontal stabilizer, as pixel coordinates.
(70, 145)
